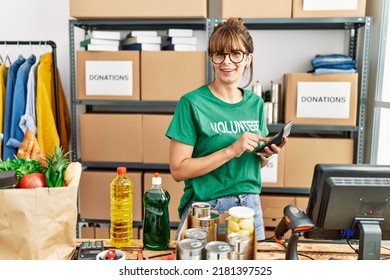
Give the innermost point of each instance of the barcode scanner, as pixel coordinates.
(296, 220)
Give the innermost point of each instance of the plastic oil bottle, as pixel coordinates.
(121, 193)
(156, 226)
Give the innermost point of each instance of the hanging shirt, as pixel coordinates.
(3, 80)
(19, 102)
(29, 120)
(10, 152)
(47, 133)
(65, 122)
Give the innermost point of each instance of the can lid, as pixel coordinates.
(156, 179)
(241, 212)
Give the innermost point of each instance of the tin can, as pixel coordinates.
(201, 210)
(257, 88)
(268, 112)
(210, 224)
(196, 233)
(241, 246)
(217, 250)
(190, 249)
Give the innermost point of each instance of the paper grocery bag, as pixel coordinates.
(38, 224)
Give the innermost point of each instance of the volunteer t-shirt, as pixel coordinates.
(210, 124)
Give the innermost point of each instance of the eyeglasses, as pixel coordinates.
(234, 56)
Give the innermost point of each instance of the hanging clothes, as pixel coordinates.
(3, 83)
(65, 123)
(47, 133)
(29, 120)
(10, 152)
(19, 102)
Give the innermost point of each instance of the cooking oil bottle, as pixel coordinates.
(156, 226)
(121, 193)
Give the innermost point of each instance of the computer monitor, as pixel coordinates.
(351, 201)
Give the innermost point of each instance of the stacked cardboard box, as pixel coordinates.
(126, 9)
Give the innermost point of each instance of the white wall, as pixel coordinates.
(34, 20)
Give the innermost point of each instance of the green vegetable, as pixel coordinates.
(56, 165)
(22, 166)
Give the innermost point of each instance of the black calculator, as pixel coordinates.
(88, 250)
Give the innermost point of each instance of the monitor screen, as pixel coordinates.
(350, 201)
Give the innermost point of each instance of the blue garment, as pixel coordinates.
(333, 63)
(10, 152)
(29, 120)
(333, 71)
(223, 204)
(319, 60)
(19, 102)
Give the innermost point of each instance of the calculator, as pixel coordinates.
(88, 250)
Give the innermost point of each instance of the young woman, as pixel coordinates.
(216, 129)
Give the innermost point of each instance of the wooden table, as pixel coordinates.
(307, 250)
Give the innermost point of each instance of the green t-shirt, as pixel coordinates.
(210, 124)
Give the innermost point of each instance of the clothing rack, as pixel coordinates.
(55, 72)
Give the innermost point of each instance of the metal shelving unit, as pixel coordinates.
(357, 27)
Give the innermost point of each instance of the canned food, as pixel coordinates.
(196, 233)
(201, 210)
(241, 220)
(209, 224)
(190, 249)
(217, 250)
(241, 246)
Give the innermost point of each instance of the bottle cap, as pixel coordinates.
(156, 180)
(121, 170)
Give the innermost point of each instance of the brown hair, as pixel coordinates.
(228, 36)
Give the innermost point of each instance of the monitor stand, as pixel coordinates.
(370, 237)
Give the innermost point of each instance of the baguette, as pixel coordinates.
(29, 148)
(72, 174)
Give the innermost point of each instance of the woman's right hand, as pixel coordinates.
(247, 142)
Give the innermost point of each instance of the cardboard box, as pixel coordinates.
(167, 75)
(117, 93)
(101, 232)
(96, 9)
(221, 237)
(302, 154)
(87, 232)
(111, 137)
(323, 8)
(250, 8)
(155, 143)
(104, 232)
(302, 201)
(272, 206)
(175, 189)
(94, 194)
(326, 99)
(272, 175)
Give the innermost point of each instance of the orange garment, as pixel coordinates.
(3, 81)
(47, 133)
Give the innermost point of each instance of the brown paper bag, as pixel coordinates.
(38, 224)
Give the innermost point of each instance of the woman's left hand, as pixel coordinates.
(274, 149)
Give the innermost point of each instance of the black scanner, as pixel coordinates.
(296, 220)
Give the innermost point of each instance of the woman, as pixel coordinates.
(216, 128)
